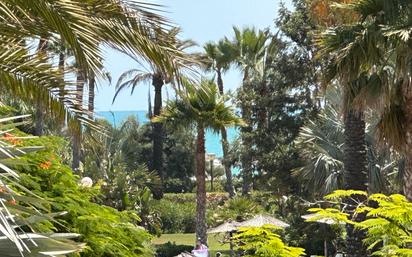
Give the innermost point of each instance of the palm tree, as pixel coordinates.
(344, 68)
(158, 78)
(378, 40)
(387, 68)
(250, 48)
(204, 108)
(220, 56)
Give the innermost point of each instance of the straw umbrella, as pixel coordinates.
(326, 221)
(227, 227)
(261, 220)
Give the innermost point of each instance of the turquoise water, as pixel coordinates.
(213, 144)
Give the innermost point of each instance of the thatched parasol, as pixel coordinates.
(227, 227)
(224, 228)
(326, 221)
(261, 220)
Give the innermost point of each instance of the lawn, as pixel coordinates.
(189, 239)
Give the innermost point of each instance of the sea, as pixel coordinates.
(213, 143)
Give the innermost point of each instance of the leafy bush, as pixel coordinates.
(176, 217)
(106, 231)
(177, 185)
(171, 249)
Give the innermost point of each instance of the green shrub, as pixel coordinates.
(106, 231)
(176, 217)
(176, 185)
(171, 249)
(180, 198)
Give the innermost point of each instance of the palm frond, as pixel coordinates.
(200, 104)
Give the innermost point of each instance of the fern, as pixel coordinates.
(264, 242)
(388, 225)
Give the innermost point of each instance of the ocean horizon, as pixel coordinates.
(213, 140)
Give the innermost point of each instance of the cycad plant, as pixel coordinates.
(202, 107)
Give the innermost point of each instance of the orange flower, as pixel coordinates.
(45, 165)
(10, 138)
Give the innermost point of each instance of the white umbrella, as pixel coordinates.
(261, 220)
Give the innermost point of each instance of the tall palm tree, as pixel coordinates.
(158, 78)
(203, 108)
(387, 70)
(250, 46)
(220, 56)
(344, 67)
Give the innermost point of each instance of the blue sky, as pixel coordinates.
(201, 21)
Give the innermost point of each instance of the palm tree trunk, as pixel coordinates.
(77, 131)
(157, 158)
(228, 171)
(407, 175)
(246, 157)
(201, 186)
(40, 109)
(92, 85)
(220, 81)
(225, 145)
(355, 176)
(62, 58)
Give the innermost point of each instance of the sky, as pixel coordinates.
(201, 21)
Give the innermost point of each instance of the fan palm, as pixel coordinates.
(379, 41)
(158, 77)
(204, 108)
(390, 73)
(220, 56)
(321, 144)
(250, 46)
(344, 66)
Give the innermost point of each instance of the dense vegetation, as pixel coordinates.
(323, 114)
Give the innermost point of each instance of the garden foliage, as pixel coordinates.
(264, 242)
(106, 231)
(387, 224)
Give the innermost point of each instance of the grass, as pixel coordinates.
(189, 239)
